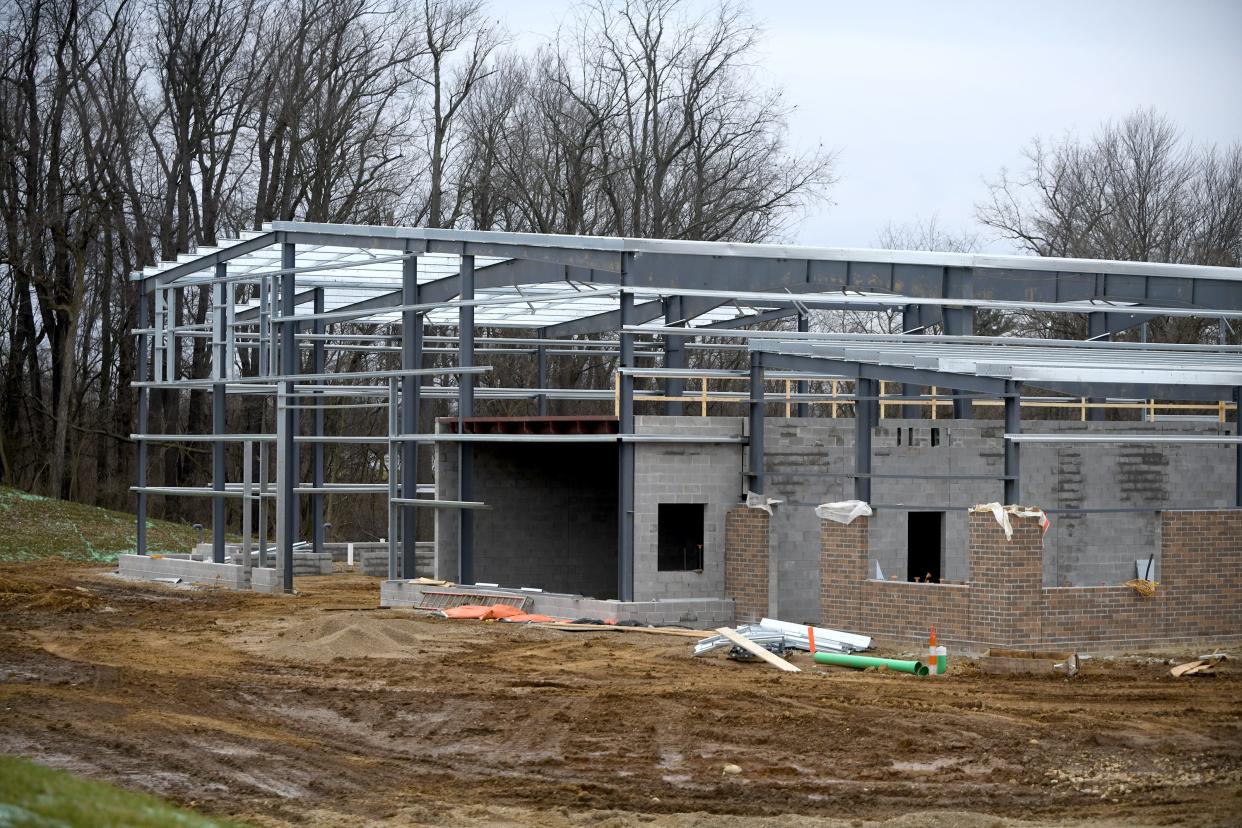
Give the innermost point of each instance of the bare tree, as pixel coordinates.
(1136, 190)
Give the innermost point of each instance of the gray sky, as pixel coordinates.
(925, 99)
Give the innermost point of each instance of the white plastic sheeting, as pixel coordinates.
(843, 511)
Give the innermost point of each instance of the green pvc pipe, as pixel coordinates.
(916, 667)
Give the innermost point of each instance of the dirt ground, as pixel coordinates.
(267, 709)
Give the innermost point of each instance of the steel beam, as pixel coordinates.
(1097, 330)
(674, 355)
(319, 366)
(219, 410)
(804, 386)
(960, 322)
(541, 372)
(465, 408)
(865, 391)
(1013, 425)
(625, 481)
(287, 423)
(756, 462)
(912, 322)
(1237, 451)
(144, 397)
(411, 357)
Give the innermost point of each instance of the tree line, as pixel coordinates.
(135, 130)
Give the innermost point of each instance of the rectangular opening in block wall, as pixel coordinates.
(680, 533)
(924, 546)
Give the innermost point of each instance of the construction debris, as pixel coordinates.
(1202, 666)
(767, 655)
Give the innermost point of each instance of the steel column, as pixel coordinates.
(1013, 425)
(219, 410)
(625, 481)
(411, 357)
(541, 372)
(1097, 330)
(674, 355)
(756, 482)
(465, 408)
(1237, 450)
(804, 386)
(144, 396)
(911, 320)
(864, 393)
(288, 468)
(960, 322)
(319, 361)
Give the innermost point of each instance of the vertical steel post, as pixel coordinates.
(960, 322)
(411, 359)
(247, 504)
(756, 481)
(319, 361)
(144, 396)
(465, 409)
(804, 386)
(219, 410)
(1237, 449)
(288, 469)
(1013, 425)
(541, 372)
(393, 463)
(625, 481)
(1097, 329)
(864, 392)
(262, 504)
(674, 356)
(911, 319)
(264, 326)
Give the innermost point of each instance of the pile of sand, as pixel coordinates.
(343, 637)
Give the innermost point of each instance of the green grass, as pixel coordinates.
(33, 796)
(33, 528)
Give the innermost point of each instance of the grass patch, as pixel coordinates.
(34, 796)
(34, 527)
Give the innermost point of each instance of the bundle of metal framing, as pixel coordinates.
(771, 637)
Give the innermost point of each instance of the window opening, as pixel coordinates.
(680, 533)
(925, 546)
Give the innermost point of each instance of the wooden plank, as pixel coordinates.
(696, 634)
(751, 647)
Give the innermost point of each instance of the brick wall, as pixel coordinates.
(1199, 598)
(746, 562)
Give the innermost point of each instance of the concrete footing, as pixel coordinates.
(698, 613)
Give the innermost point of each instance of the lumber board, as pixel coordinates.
(696, 634)
(751, 647)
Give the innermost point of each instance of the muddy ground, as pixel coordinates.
(267, 709)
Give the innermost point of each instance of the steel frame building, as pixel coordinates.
(656, 297)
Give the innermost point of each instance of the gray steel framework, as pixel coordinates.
(654, 299)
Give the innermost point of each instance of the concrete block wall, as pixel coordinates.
(695, 613)
(372, 559)
(553, 522)
(229, 576)
(706, 473)
(1100, 548)
(747, 572)
(266, 579)
(1199, 600)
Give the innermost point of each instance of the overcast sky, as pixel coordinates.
(925, 99)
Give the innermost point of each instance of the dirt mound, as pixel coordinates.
(344, 637)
